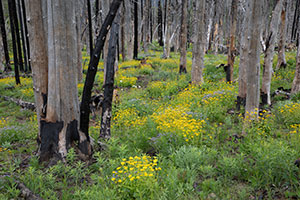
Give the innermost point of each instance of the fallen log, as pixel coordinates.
(23, 104)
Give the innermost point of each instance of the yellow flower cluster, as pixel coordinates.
(290, 108)
(3, 122)
(7, 81)
(129, 118)
(176, 120)
(125, 81)
(129, 63)
(295, 128)
(146, 68)
(4, 149)
(136, 169)
(26, 81)
(27, 92)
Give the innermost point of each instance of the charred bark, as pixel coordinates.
(17, 34)
(26, 35)
(231, 52)
(4, 39)
(90, 26)
(13, 36)
(109, 83)
(136, 37)
(92, 69)
(23, 36)
(160, 24)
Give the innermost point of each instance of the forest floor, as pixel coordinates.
(170, 140)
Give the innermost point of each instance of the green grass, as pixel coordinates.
(198, 154)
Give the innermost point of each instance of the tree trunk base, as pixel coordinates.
(264, 99)
(56, 138)
(182, 70)
(240, 101)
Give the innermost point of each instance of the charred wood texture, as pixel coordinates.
(92, 69)
(109, 83)
(4, 39)
(13, 37)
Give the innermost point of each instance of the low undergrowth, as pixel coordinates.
(170, 140)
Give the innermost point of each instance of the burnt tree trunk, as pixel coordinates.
(146, 26)
(122, 37)
(22, 36)
(17, 34)
(231, 52)
(59, 105)
(26, 34)
(183, 38)
(90, 26)
(296, 21)
(13, 37)
(136, 37)
(109, 82)
(92, 69)
(4, 39)
(160, 24)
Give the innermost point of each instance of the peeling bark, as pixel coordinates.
(281, 62)
(269, 54)
(231, 52)
(54, 56)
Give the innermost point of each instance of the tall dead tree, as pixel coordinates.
(4, 39)
(199, 44)
(14, 45)
(253, 69)
(296, 81)
(109, 82)
(136, 37)
(160, 23)
(183, 38)
(167, 37)
(146, 36)
(53, 58)
(17, 35)
(281, 62)
(21, 20)
(244, 51)
(269, 54)
(92, 69)
(231, 51)
(26, 34)
(296, 20)
(88, 4)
